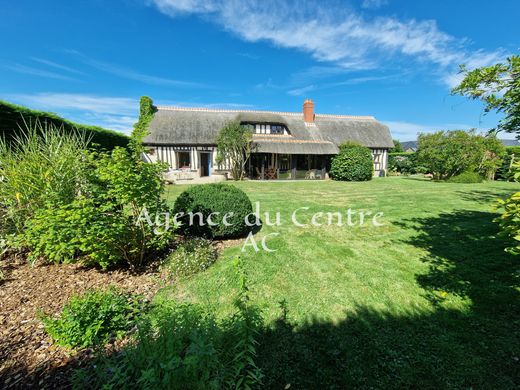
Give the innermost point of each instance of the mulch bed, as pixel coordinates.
(28, 358)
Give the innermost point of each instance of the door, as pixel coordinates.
(204, 164)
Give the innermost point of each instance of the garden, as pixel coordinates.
(111, 279)
(429, 299)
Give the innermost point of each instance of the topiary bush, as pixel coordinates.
(467, 177)
(353, 163)
(218, 200)
(191, 256)
(93, 318)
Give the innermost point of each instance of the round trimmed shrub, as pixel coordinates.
(467, 177)
(217, 200)
(353, 163)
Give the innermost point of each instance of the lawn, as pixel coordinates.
(430, 299)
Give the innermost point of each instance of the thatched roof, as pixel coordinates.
(192, 126)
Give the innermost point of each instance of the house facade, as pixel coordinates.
(286, 145)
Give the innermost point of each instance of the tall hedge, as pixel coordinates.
(14, 117)
(353, 163)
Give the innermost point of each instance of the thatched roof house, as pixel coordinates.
(287, 142)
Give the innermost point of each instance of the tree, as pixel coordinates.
(398, 148)
(234, 146)
(498, 86)
(449, 153)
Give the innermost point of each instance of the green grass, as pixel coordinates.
(428, 300)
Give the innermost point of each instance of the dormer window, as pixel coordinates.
(267, 128)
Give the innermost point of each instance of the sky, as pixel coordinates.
(91, 60)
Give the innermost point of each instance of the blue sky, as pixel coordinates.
(90, 60)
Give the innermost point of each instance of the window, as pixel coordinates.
(183, 160)
(276, 129)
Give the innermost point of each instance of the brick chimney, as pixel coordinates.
(308, 110)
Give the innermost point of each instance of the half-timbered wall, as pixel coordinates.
(169, 155)
(380, 157)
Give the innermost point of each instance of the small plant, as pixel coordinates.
(91, 319)
(192, 256)
(467, 177)
(353, 163)
(184, 346)
(213, 201)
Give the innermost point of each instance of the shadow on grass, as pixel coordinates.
(485, 197)
(440, 348)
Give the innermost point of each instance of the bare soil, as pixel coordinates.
(28, 357)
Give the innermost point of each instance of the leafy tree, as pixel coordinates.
(234, 145)
(449, 153)
(498, 86)
(398, 148)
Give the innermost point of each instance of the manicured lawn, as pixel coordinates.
(430, 299)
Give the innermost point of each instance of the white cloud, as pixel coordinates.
(19, 68)
(336, 34)
(56, 65)
(131, 74)
(407, 131)
(116, 113)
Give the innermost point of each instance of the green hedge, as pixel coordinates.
(14, 117)
(214, 198)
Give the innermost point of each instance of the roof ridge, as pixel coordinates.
(205, 109)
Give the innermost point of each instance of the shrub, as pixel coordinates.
(81, 228)
(449, 153)
(192, 256)
(40, 166)
(466, 177)
(216, 200)
(509, 220)
(183, 346)
(92, 319)
(353, 163)
(100, 207)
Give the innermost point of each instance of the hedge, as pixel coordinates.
(14, 117)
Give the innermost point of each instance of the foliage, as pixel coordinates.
(449, 153)
(498, 86)
(132, 189)
(466, 177)
(509, 220)
(63, 203)
(43, 165)
(146, 111)
(398, 147)
(59, 234)
(183, 346)
(234, 147)
(91, 319)
(353, 163)
(16, 120)
(217, 201)
(509, 157)
(403, 162)
(190, 257)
